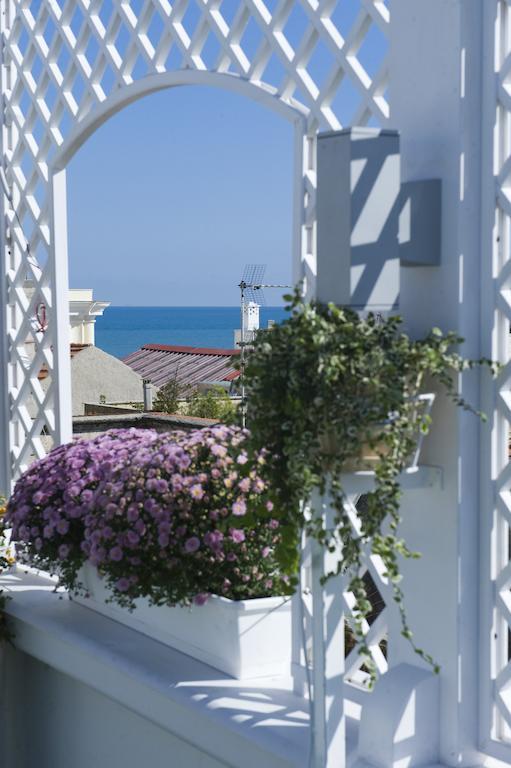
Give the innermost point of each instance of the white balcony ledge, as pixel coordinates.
(247, 724)
(422, 476)
(262, 720)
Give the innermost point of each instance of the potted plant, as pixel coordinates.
(178, 526)
(328, 393)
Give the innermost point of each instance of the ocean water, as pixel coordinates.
(122, 330)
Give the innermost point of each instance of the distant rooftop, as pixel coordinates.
(74, 350)
(191, 365)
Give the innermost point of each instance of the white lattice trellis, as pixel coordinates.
(496, 640)
(323, 647)
(376, 632)
(69, 64)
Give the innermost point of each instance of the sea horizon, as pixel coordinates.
(125, 328)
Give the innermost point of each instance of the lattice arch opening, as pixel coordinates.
(69, 64)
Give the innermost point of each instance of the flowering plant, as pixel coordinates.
(6, 560)
(6, 554)
(172, 517)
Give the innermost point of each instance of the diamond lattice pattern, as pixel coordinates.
(62, 59)
(501, 565)
(376, 628)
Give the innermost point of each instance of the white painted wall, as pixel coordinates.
(53, 721)
(435, 88)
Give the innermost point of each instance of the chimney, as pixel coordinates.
(148, 395)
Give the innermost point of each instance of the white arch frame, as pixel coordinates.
(294, 113)
(303, 145)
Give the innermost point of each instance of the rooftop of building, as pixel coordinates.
(159, 363)
(74, 350)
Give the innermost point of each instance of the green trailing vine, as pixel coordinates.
(325, 388)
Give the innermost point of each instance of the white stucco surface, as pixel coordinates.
(95, 373)
(57, 722)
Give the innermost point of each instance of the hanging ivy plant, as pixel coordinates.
(322, 388)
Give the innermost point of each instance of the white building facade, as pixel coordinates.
(83, 313)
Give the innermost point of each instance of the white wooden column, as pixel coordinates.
(436, 105)
(60, 297)
(327, 706)
(5, 463)
(4, 389)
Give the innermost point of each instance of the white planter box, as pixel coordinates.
(245, 639)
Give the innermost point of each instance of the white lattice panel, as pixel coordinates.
(496, 719)
(64, 60)
(375, 630)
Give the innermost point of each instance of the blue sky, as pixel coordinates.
(175, 194)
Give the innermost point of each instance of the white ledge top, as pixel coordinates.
(262, 719)
(415, 478)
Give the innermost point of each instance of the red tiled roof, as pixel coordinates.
(231, 376)
(192, 350)
(191, 365)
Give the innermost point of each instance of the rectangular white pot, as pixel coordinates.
(245, 639)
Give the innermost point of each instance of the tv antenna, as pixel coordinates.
(251, 290)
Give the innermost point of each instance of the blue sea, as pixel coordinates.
(122, 330)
